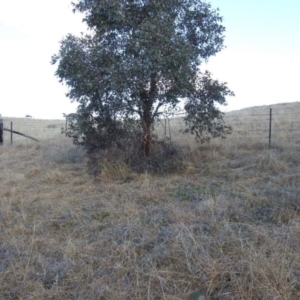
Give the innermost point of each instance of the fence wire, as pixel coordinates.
(284, 127)
(41, 130)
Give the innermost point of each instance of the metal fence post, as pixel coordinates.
(270, 128)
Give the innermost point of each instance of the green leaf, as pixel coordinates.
(138, 60)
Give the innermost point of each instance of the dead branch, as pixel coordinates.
(17, 132)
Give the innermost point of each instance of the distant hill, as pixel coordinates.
(278, 106)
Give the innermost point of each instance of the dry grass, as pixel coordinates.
(229, 225)
(43, 130)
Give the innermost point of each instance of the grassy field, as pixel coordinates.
(43, 130)
(227, 226)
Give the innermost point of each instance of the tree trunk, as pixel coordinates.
(147, 99)
(146, 138)
(147, 122)
(1, 132)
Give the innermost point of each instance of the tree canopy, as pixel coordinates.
(138, 62)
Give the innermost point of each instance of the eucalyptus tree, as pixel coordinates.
(140, 61)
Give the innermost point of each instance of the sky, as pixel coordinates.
(259, 63)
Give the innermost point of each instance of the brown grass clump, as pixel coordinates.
(227, 224)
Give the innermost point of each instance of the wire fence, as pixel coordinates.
(269, 126)
(264, 125)
(21, 130)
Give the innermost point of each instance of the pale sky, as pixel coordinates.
(259, 63)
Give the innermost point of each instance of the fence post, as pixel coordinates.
(270, 128)
(66, 127)
(1, 132)
(169, 129)
(11, 133)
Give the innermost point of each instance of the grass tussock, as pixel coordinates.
(226, 225)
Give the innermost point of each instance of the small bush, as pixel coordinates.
(63, 154)
(165, 157)
(50, 126)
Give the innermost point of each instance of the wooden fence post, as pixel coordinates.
(11, 133)
(270, 128)
(1, 132)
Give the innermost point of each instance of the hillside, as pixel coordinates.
(228, 225)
